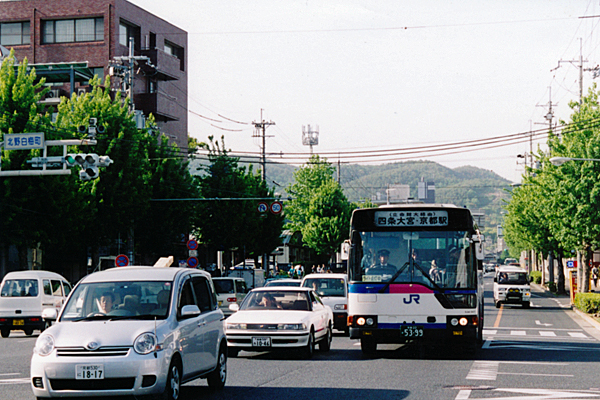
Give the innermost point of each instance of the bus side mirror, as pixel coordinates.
(478, 243)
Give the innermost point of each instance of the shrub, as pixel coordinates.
(535, 276)
(588, 302)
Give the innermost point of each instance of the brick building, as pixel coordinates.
(50, 33)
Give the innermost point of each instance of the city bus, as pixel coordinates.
(415, 274)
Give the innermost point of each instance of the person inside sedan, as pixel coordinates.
(268, 301)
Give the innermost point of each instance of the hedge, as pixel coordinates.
(588, 302)
(535, 276)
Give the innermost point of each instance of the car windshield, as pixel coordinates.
(326, 287)
(276, 300)
(118, 300)
(512, 278)
(223, 285)
(19, 288)
(283, 283)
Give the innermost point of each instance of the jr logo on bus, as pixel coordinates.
(411, 298)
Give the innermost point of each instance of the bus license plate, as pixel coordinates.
(261, 342)
(411, 331)
(89, 371)
(19, 322)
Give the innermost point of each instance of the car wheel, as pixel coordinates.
(325, 343)
(309, 349)
(368, 346)
(497, 303)
(217, 378)
(47, 324)
(173, 385)
(4, 332)
(526, 304)
(28, 332)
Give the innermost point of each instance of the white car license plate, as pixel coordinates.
(261, 342)
(95, 371)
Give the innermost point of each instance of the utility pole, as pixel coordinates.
(550, 115)
(580, 61)
(261, 128)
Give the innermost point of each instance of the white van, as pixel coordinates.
(229, 290)
(332, 289)
(23, 297)
(511, 286)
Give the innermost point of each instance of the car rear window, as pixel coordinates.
(223, 285)
(20, 288)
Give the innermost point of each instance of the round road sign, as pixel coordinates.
(122, 260)
(192, 244)
(262, 207)
(192, 262)
(276, 207)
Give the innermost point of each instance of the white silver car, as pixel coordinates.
(333, 291)
(280, 318)
(133, 331)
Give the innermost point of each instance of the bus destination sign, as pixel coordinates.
(411, 218)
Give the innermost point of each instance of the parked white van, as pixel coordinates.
(23, 297)
(332, 289)
(511, 286)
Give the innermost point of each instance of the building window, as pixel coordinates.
(73, 30)
(14, 33)
(127, 31)
(175, 51)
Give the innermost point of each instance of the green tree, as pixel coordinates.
(34, 210)
(319, 209)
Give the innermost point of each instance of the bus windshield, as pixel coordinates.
(437, 259)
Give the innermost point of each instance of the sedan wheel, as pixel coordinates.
(325, 343)
(5, 332)
(309, 349)
(217, 378)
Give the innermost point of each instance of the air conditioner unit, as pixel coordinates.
(83, 90)
(53, 94)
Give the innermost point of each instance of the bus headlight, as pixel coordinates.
(364, 321)
(454, 321)
(463, 321)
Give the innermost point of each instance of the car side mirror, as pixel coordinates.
(190, 311)
(234, 307)
(49, 314)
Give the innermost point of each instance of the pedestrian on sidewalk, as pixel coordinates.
(595, 276)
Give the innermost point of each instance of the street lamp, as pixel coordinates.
(561, 160)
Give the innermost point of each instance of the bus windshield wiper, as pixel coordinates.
(426, 275)
(393, 278)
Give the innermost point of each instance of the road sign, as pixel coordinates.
(572, 264)
(122, 260)
(192, 262)
(262, 207)
(192, 244)
(24, 141)
(276, 207)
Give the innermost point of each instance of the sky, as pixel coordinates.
(388, 80)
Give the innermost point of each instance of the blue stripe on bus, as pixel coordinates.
(375, 288)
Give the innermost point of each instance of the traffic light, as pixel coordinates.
(89, 164)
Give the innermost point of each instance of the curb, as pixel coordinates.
(587, 317)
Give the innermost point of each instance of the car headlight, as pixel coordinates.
(340, 307)
(237, 326)
(294, 327)
(44, 345)
(145, 343)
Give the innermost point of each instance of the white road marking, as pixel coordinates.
(537, 394)
(543, 324)
(484, 370)
(518, 333)
(14, 381)
(577, 334)
(547, 333)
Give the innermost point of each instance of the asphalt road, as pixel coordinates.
(545, 352)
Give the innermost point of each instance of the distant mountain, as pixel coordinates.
(480, 190)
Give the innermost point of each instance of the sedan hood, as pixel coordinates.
(105, 333)
(269, 317)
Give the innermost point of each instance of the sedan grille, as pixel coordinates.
(109, 351)
(268, 327)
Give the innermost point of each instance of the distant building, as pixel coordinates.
(426, 191)
(59, 34)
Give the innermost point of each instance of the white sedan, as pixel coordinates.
(280, 318)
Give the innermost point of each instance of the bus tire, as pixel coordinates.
(526, 304)
(368, 346)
